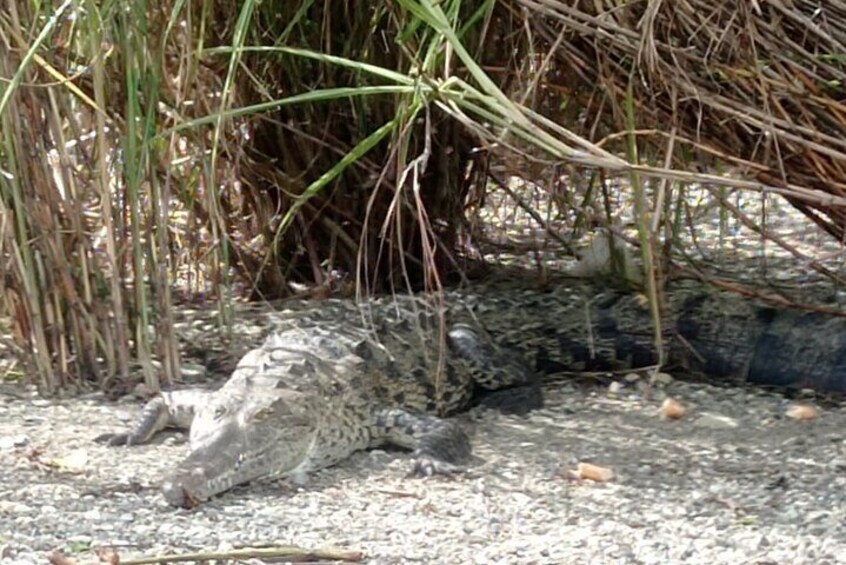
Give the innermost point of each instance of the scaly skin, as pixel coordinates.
(334, 378)
(313, 394)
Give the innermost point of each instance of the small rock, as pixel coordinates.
(34, 419)
(141, 390)
(594, 472)
(755, 542)
(672, 409)
(662, 379)
(191, 371)
(802, 412)
(15, 508)
(130, 399)
(631, 378)
(93, 515)
(10, 442)
(716, 421)
(178, 438)
(817, 515)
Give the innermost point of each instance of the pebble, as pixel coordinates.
(687, 492)
(716, 421)
(10, 442)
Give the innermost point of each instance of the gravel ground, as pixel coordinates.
(733, 481)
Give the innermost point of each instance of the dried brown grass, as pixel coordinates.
(758, 86)
(204, 179)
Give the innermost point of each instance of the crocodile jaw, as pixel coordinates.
(265, 438)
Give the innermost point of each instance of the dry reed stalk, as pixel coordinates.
(760, 83)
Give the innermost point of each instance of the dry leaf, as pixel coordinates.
(59, 558)
(672, 409)
(73, 462)
(594, 472)
(108, 556)
(802, 412)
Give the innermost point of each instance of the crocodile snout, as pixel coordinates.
(186, 488)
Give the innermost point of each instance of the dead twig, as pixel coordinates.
(290, 553)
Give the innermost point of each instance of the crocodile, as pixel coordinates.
(334, 380)
(335, 377)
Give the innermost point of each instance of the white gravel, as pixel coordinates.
(734, 481)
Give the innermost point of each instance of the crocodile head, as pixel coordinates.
(237, 440)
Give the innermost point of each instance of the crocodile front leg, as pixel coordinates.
(167, 410)
(440, 446)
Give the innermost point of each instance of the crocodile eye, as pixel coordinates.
(219, 412)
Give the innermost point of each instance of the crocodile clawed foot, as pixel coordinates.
(425, 466)
(114, 439)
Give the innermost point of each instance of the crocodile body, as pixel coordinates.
(334, 380)
(334, 377)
